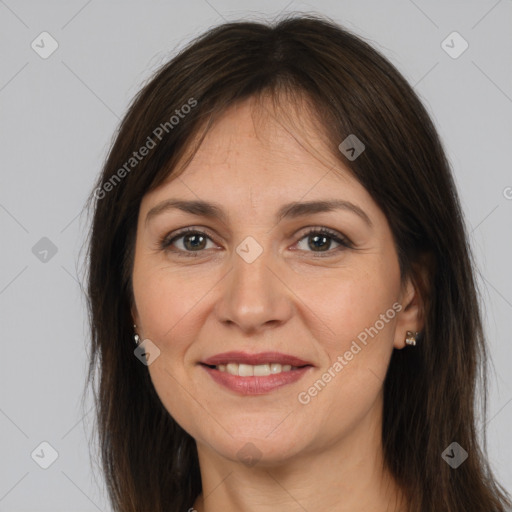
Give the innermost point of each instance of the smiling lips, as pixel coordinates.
(255, 374)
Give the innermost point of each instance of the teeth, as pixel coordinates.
(259, 370)
(275, 368)
(245, 370)
(232, 368)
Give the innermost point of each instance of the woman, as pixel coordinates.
(277, 229)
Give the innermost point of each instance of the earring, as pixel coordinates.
(411, 337)
(136, 337)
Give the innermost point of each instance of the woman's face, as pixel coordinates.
(255, 284)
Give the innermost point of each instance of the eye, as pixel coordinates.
(191, 241)
(319, 240)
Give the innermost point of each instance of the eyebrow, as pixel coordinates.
(289, 210)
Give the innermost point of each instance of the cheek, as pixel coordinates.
(168, 303)
(165, 305)
(164, 300)
(346, 306)
(358, 346)
(358, 309)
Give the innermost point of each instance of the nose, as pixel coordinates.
(253, 296)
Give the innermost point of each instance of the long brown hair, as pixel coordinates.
(149, 462)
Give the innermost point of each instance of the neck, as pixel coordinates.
(348, 475)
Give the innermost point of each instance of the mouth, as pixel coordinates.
(260, 365)
(255, 374)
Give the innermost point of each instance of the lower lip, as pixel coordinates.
(256, 385)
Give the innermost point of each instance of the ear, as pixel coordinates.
(412, 299)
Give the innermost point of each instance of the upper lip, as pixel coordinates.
(255, 359)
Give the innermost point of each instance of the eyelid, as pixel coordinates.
(334, 233)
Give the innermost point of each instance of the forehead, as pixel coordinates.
(261, 156)
(255, 143)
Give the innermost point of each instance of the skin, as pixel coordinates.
(323, 455)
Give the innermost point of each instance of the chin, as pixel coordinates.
(259, 449)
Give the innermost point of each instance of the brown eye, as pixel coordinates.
(189, 241)
(320, 241)
(193, 241)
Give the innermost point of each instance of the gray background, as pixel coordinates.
(57, 119)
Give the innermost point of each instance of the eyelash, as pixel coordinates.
(165, 242)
